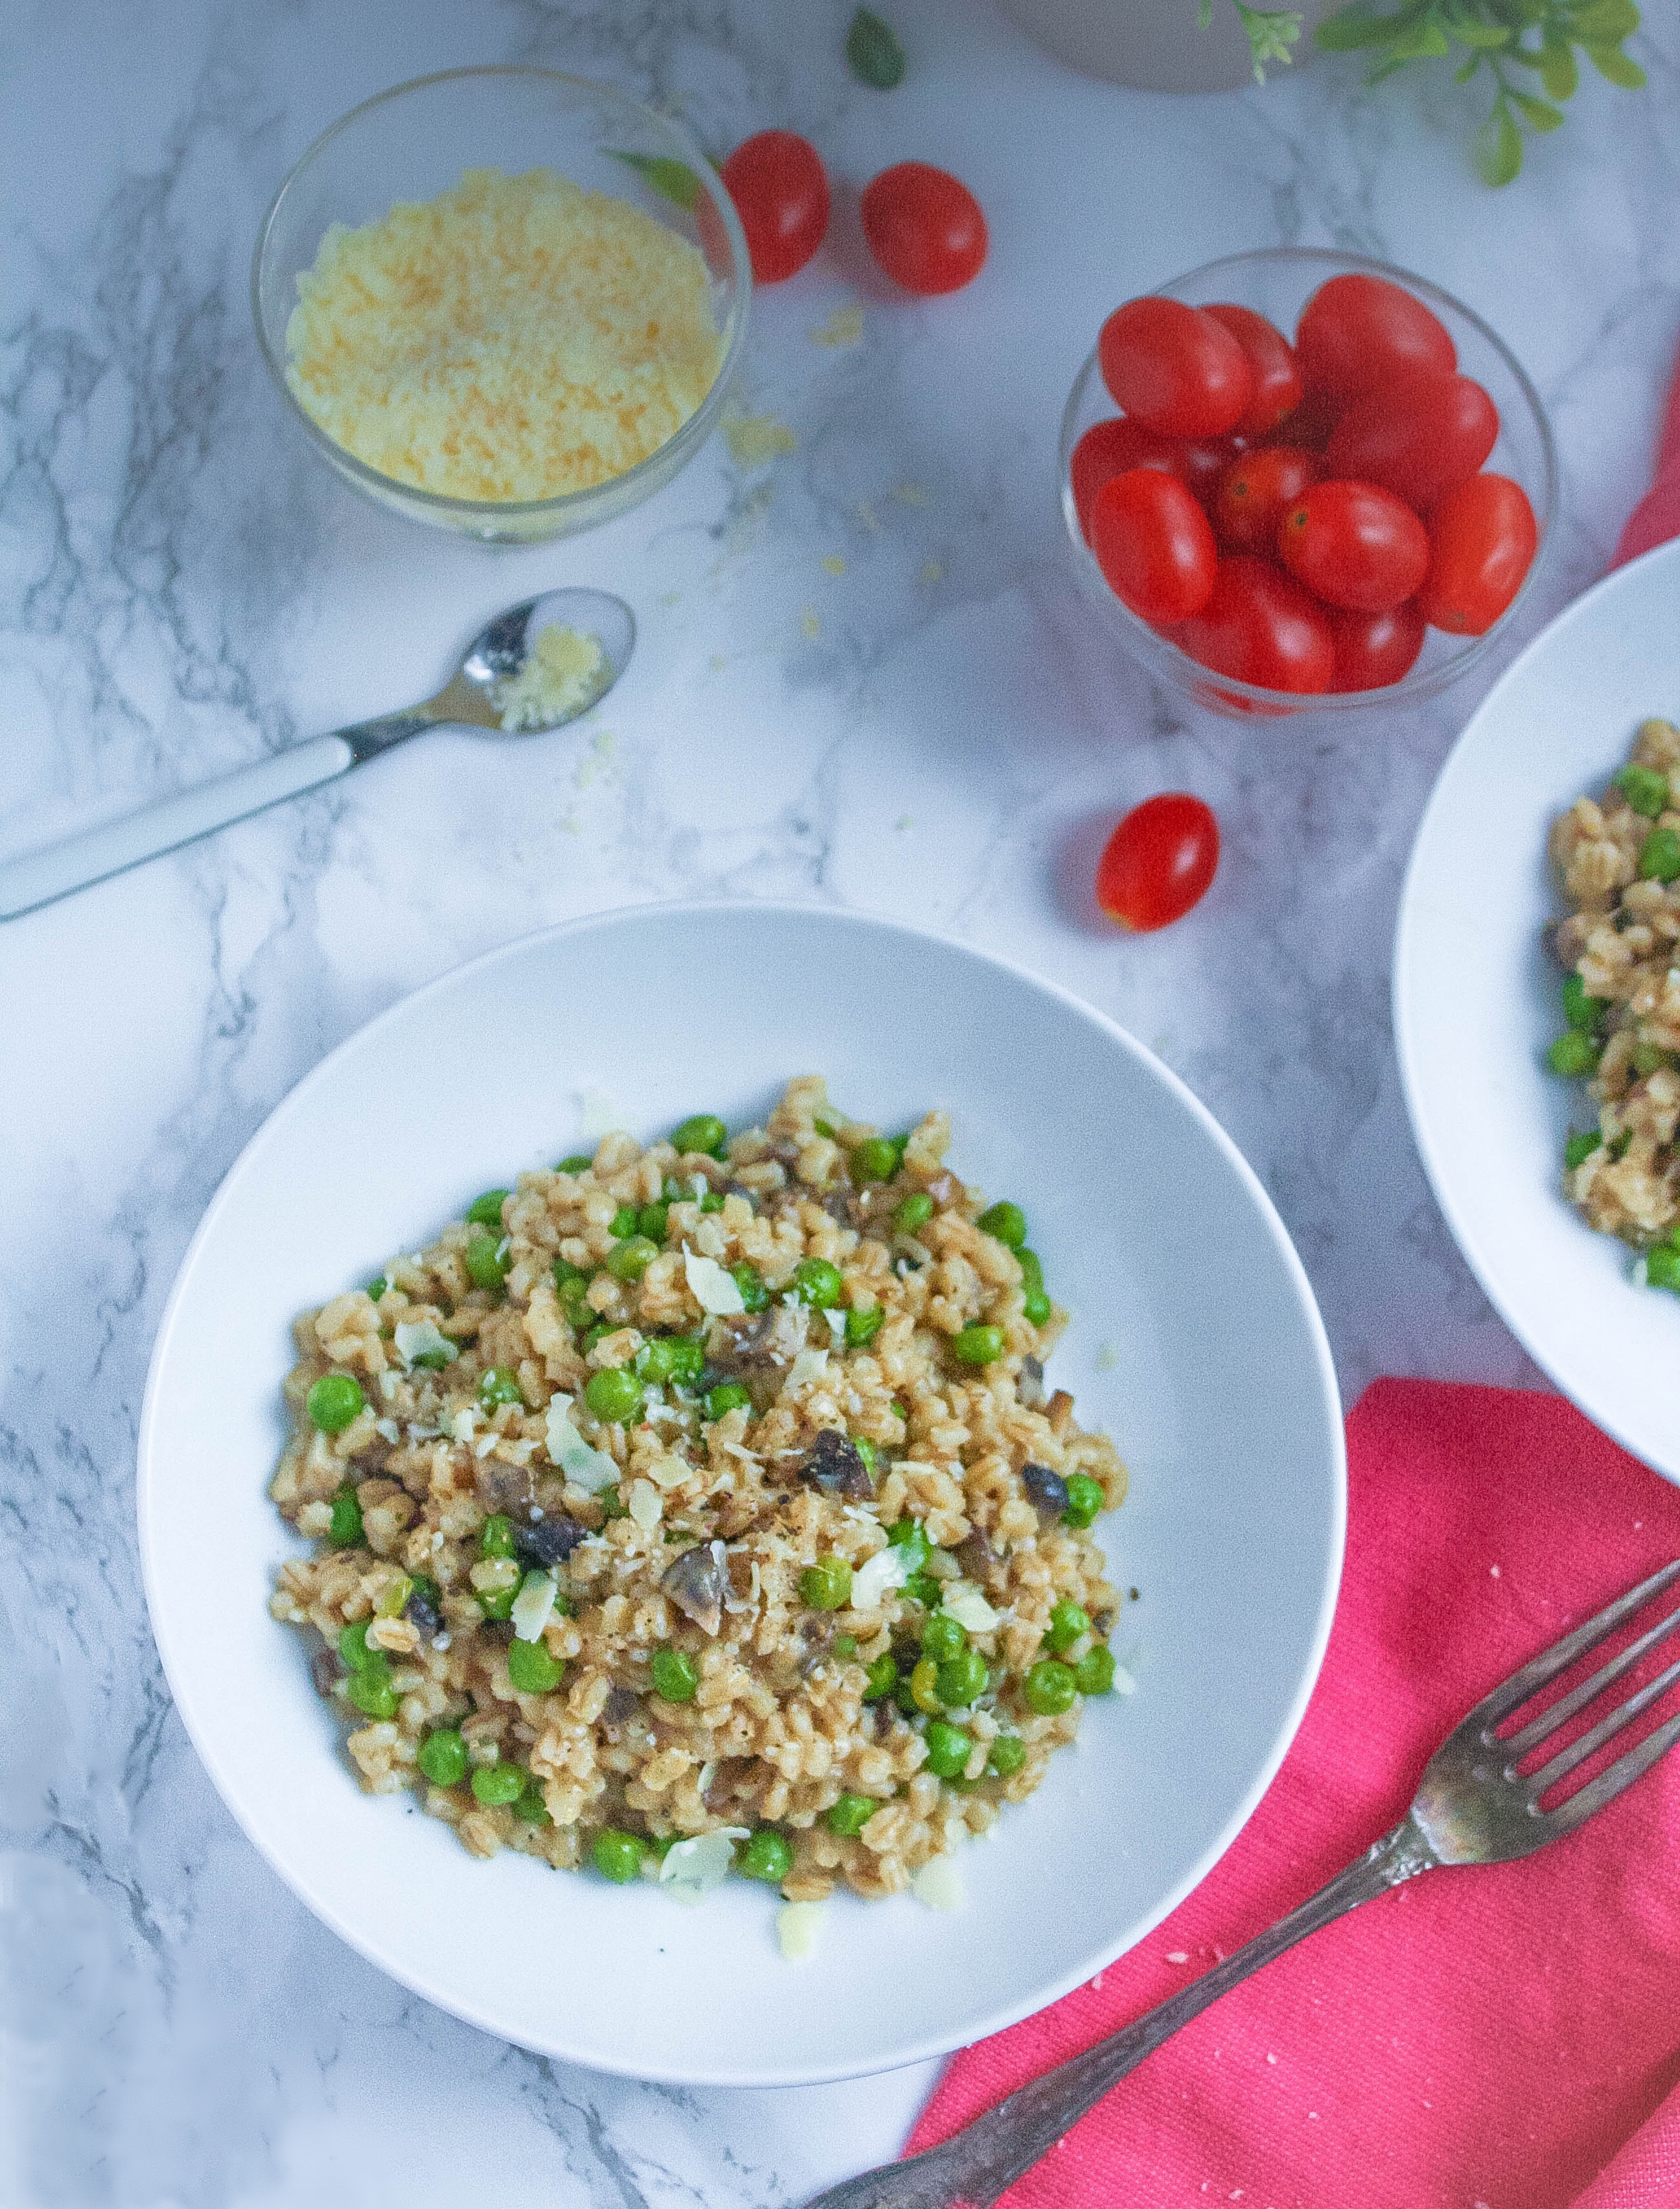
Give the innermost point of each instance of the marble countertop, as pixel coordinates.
(862, 678)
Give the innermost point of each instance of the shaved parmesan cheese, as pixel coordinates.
(879, 1575)
(484, 1445)
(421, 1337)
(709, 1236)
(590, 1470)
(533, 1606)
(708, 1772)
(694, 1868)
(461, 1426)
(388, 1385)
(798, 1925)
(597, 1114)
(836, 1319)
(387, 1430)
(1125, 1684)
(810, 1365)
(645, 1505)
(966, 1603)
(939, 1884)
(712, 1288)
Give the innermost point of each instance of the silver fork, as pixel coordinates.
(1472, 1807)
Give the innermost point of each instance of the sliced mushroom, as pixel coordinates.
(1048, 1490)
(547, 1541)
(423, 1613)
(621, 1703)
(698, 1582)
(1030, 1384)
(833, 1464)
(507, 1489)
(327, 1668)
(978, 1559)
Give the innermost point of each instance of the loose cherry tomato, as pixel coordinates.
(924, 227)
(780, 191)
(1255, 492)
(1175, 369)
(1355, 545)
(1260, 626)
(1357, 332)
(1277, 381)
(1154, 545)
(1416, 436)
(1482, 542)
(1373, 650)
(1159, 862)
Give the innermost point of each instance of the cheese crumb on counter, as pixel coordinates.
(516, 338)
(561, 675)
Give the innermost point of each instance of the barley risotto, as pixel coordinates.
(703, 1507)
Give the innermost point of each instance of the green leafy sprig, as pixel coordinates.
(1271, 33)
(1528, 48)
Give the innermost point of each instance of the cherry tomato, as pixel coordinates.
(1257, 490)
(924, 227)
(780, 191)
(1277, 381)
(1260, 626)
(1482, 542)
(1373, 650)
(1109, 449)
(1355, 545)
(1154, 545)
(1175, 369)
(1357, 331)
(1416, 436)
(1159, 862)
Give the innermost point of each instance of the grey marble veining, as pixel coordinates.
(934, 731)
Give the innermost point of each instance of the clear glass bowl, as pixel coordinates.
(1277, 283)
(412, 144)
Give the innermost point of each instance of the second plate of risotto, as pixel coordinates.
(842, 1549)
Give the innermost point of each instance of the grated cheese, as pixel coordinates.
(562, 674)
(797, 1927)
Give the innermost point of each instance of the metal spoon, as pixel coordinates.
(470, 697)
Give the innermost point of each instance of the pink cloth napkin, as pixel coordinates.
(1657, 516)
(1502, 2038)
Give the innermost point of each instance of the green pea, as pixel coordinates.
(977, 1346)
(703, 1132)
(623, 1220)
(495, 1537)
(844, 1646)
(496, 1386)
(1035, 1307)
(486, 1263)
(495, 1785)
(961, 1678)
(1067, 1621)
(1573, 1053)
(534, 1670)
(1032, 1268)
(850, 1814)
(372, 1694)
(924, 1588)
(612, 1504)
(1580, 1145)
(442, 1757)
(910, 1534)
(727, 1396)
(1093, 1674)
(632, 1258)
(655, 1362)
(377, 1286)
(1050, 1688)
(532, 1805)
(905, 1696)
(863, 1326)
(882, 1678)
(755, 1295)
(1085, 1499)
(827, 1584)
(1659, 858)
(1644, 788)
(675, 1675)
(924, 1686)
(1579, 1010)
(334, 1401)
(1007, 1755)
(865, 1449)
(434, 1360)
(345, 1529)
(767, 1856)
(816, 1282)
(1007, 1222)
(618, 1855)
(874, 1159)
(711, 1201)
(1650, 1058)
(579, 1162)
(687, 1359)
(652, 1221)
(498, 1603)
(941, 1637)
(485, 1211)
(914, 1211)
(597, 1333)
(353, 1645)
(394, 1598)
(615, 1395)
(1662, 1266)
(947, 1747)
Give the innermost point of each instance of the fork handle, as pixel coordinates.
(986, 2158)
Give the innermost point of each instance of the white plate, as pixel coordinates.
(1152, 1229)
(1477, 1001)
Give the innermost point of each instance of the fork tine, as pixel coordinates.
(1512, 1694)
(1557, 1714)
(1624, 1714)
(1609, 1784)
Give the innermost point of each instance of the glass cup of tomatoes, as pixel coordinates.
(1298, 480)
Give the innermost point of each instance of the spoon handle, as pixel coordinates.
(37, 877)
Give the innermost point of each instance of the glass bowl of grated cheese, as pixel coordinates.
(506, 302)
